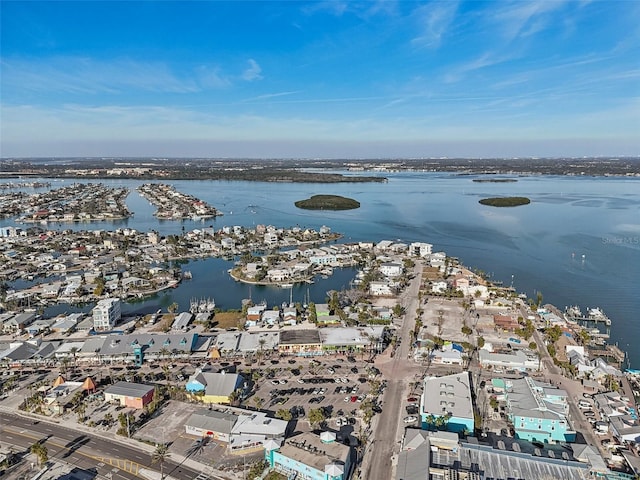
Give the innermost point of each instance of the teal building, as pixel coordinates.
(308, 456)
(538, 411)
(446, 403)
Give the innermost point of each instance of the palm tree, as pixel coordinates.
(160, 455)
(40, 451)
(234, 397)
(258, 402)
(74, 351)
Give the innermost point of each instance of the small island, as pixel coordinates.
(494, 180)
(505, 201)
(328, 202)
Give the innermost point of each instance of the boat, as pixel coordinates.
(187, 274)
(597, 315)
(202, 305)
(574, 311)
(286, 285)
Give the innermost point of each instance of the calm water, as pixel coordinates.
(540, 246)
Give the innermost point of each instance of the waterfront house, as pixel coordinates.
(106, 314)
(182, 321)
(254, 312)
(420, 249)
(380, 289)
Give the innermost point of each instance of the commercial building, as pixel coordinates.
(129, 394)
(446, 401)
(106, 314)
(238, 428)
(302, 342)
(307, 456)
(440, 456)
(209, 387)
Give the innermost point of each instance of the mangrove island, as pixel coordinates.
(328, 202)
(505, 201)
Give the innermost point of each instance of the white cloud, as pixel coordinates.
(253, 72)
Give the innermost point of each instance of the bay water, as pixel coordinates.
(578, 242)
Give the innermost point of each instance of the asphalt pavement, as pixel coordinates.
(112, 458)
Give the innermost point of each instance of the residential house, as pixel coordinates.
(380, 289)
(391, 269)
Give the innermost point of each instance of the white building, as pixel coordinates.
(380, 289)
(391, 269)
(420, 249)
(106, 314)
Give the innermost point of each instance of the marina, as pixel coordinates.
(595, 314)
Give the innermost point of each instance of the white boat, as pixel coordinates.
(286, 285)
(597, 315)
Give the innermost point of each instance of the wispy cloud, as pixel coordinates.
(253, 72)
(82, 75)
(487, 59)
(268, 96)
(434, 21)
(525, 18)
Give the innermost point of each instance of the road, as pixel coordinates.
(85, 450)
(398, 372)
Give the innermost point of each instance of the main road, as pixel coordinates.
(397, 371)
(108, 457)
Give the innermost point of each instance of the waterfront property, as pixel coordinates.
(311, 457)
(538, 411)
(129, 394)
(446, 401)
(106, 314)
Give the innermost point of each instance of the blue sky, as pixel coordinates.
(320, 79)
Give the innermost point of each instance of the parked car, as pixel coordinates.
(410, 419)
(412, 399)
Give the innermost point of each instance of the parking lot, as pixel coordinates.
(337, 386)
